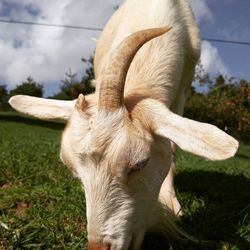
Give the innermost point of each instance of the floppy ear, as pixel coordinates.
(45, 109)
(198, 138)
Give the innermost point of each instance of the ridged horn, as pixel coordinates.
(113, 81)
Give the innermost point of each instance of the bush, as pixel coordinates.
(3, 97)
(226, 105)
(30, 87)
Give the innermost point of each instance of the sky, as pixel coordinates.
(47, 53)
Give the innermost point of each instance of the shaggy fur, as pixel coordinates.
(120, 141)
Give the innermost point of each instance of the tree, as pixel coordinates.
(226, 104)
(71, 87)
(70, 79)
(201, 76)
(88, 76)
(30, 87)
(3, 97)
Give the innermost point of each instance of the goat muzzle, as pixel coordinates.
(98, 246)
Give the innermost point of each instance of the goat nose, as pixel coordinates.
(98, 246)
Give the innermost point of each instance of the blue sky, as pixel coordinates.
(231, 21)
(47, 53)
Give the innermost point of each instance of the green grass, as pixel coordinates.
(216, 198)
(42, 205)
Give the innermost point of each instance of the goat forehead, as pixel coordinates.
(114, 153)
(118, 149)
(103, 130)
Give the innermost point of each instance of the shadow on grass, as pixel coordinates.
(226, 206)
(9, 117)
(242, 156)
(223, 217)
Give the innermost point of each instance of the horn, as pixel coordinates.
(113, 81)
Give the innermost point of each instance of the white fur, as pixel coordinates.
(125, 159)
(43, 108)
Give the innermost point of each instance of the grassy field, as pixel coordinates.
(42, 205)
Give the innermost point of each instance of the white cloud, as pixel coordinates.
(235, 32)
(46, 53)
(212, 61)
(201, 10)
(210, 58)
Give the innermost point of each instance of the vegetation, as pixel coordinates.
(42, 206)
(3, 97)
(30, 87)
(224, 102)
(226, 105)
(72, 87)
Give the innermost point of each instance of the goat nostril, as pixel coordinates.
(99, 246)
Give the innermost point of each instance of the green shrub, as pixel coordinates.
(226, 105)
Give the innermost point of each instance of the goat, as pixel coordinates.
(120, 141)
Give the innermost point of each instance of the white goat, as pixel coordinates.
(117, 141)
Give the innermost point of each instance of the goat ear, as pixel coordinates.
(45, 109)
(198, 138)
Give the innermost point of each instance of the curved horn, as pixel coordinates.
(112, 84)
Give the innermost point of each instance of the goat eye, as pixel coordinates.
(139, 166)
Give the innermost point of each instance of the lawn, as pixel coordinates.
(42, 205)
